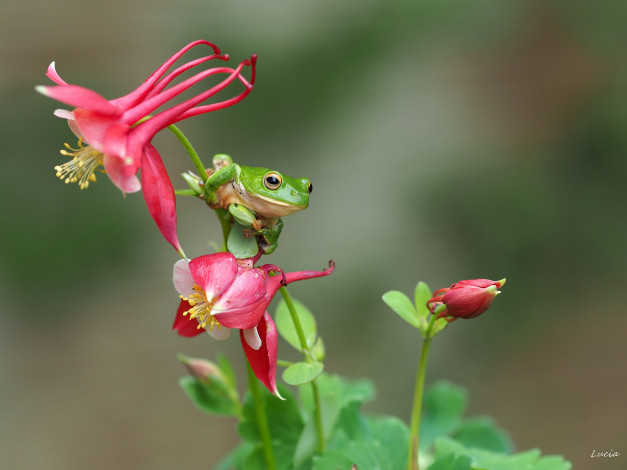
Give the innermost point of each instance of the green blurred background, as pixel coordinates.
(445, 140)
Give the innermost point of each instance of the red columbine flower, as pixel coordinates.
(220, 292)
(464, 299)
(118, 136)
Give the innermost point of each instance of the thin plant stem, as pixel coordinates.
(187, 145)
(314, 385)
(414, 436)
(262, 419)
(185, 192)
(225, 221)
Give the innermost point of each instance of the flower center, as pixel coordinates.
(201, 308)
(85, 161)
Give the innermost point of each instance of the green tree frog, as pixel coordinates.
(256, 197)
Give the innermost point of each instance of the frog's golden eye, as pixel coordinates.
(272, 181)
(310, 188)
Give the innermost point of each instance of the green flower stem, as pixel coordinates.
(185, 192)
(314, 385)
(414, 436)
(262, 419)
(295, 319)
(225, 221)
(187, 145)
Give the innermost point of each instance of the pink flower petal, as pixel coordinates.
(183, 325)
(214, 273)
(246, 289)
(53, 75)
(119, 174)
(244, 317)
(274, 282)
(182, 278)
(80, 97)
(159, 195)
(263, 360)
(93, 127)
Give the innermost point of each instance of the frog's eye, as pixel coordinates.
(272, 181)
(310, 188)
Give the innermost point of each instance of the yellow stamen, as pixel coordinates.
(201, 308)
(85, 161)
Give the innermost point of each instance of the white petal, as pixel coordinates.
(182, 278)
(251, 336)
(64, 114)
(220, 333)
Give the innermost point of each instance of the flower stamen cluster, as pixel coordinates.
(81, 169)
(201, 308)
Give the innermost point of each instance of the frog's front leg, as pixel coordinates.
(269, 237)
(217, 179)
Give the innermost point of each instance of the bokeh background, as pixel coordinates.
(445, 140)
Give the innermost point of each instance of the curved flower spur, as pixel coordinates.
(116, 134)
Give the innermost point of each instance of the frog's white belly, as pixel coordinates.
(263, 207)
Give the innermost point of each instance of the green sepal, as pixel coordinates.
(240, 246)
(242, 215)
(404, 307)
(318, 351)
(212, 397)
(287, 330)
(194, 182)
(302, 372)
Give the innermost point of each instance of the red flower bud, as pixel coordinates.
(464, 299)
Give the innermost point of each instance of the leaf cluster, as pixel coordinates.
(448, 440)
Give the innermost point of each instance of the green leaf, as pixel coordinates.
(332, 460)
(284, 418)
(339, 403)
(401, 304)
(302, 372)
(421, 295)
(451, 461)
(483, 433)
(211, 397)
(443, 407)
(235, 459)
(439, 325)
(242, 215)
(285, 325)
(308, 442)
(334, 385)
(227, 369)
(240, 246)
(385, 449)
(483, 459)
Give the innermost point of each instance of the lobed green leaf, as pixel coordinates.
(302, 372)
(404, 307)
(287, 330)
(240, 246)
(210, 397)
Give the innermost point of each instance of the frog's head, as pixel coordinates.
(275, 194)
